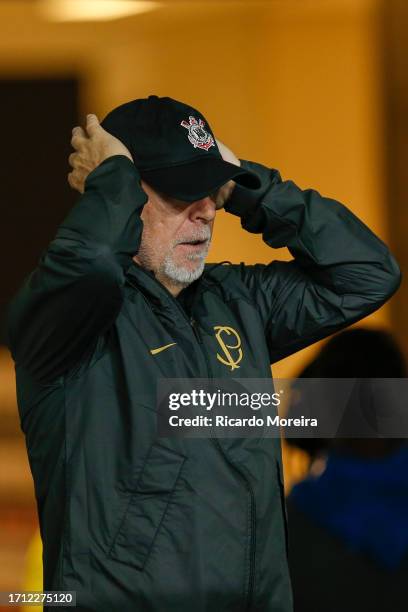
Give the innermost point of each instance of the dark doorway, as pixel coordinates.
(37, 116)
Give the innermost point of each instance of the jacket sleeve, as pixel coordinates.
(75, 293)
(341, 271)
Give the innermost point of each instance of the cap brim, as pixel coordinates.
(198, 178)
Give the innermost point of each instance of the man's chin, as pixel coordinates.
(184, 273)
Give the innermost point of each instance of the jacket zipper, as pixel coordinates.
(251, 580)
(197, 334)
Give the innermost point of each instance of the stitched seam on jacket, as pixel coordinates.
(248, 551)
(130, 499)
(170, 495)
(249, 513)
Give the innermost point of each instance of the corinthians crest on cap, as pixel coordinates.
(197, 135)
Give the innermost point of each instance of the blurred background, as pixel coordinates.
(315, 88)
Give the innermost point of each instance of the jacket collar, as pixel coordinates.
(157, 293)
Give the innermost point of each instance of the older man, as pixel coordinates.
(123, 297)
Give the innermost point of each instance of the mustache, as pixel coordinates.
(202, 234)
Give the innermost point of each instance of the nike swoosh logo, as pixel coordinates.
(162, 348)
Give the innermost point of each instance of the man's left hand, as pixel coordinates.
(224, 193)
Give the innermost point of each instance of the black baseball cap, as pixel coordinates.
(173, 148)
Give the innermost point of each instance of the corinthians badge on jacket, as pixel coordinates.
(232, 352)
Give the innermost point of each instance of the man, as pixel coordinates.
(121, 298)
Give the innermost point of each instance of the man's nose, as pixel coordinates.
(204, 209)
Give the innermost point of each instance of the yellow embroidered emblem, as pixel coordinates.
(229, 359)
(161, 348)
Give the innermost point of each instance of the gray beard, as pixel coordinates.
(181, 275)
(178, 275)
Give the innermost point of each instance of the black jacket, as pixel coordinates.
(134, 522)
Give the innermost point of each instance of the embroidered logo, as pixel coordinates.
(162, 348)
(229, 359)
(197, 135)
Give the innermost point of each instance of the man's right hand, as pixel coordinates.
(92, 147)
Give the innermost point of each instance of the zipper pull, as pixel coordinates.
(196, 331)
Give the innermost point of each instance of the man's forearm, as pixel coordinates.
(75, 291)
(327, 240)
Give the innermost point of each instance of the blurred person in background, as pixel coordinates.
(348, 520)
(123, 297)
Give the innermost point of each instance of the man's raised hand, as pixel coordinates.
(224, 193)
(92, 146)
(227, 154)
